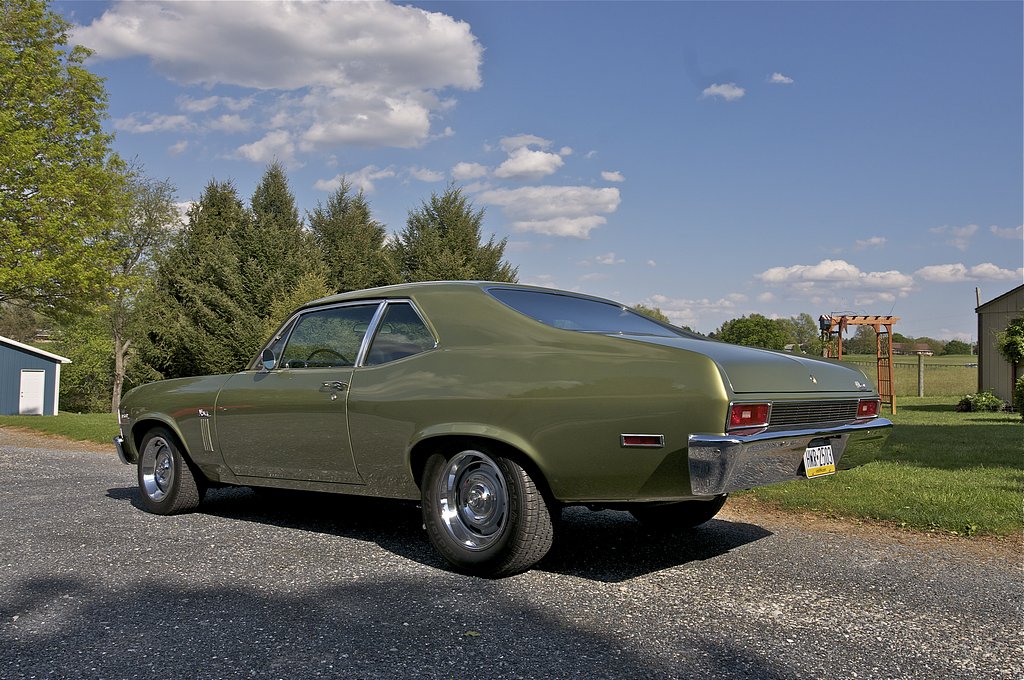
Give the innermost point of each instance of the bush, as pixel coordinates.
(1018, 396)
(982, 401)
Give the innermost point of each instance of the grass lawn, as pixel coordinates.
(944, 376)
(960, 473)
(84, 427)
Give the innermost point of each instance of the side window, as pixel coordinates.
(402, 333)
(327, 338)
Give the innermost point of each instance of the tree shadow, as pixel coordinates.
(607, 546)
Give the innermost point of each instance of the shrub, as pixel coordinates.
(982, 401)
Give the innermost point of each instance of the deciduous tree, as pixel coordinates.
(753, 331)
(59, 183)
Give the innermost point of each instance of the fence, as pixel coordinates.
(941, 378)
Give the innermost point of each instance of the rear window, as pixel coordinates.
(581, 314)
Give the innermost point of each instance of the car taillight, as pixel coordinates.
(748, 415)
(867, 408)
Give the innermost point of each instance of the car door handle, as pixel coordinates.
(336, 385)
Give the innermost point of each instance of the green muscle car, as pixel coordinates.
(495, 405)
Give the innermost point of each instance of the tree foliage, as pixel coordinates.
(652, 312)
(956, 347)
(442, 242)
(59, 184)
(1010, 341)
(753, 331)
(351, 242)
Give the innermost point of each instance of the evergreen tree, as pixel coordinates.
(352, 242)
(60, 186)
(200, 314)
(442, 242)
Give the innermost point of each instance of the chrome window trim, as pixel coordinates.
(378, 319)
(290, 326)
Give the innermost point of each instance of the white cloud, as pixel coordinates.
(356, 73)
(836, 273)
(510, 144)
(555, 210)
(699, 311)
(425, 175)
(727, 91)
(361, 179)
(608, 259)
(463, 171)
(779, 79)
(565, 151)
(230, 122)
(872, 242)
(652, 263)
(612, 176)
(528, 165)
(152, 122)
(1012, 233)
(766, 296)
(595, 276)
(275, 145)
(960, 237)
(953, 273)
(178, 147)
(186, 103)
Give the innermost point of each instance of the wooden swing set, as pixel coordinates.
(832, 329)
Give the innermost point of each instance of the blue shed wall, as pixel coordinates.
(12, 361)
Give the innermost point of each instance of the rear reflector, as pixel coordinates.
(748, 415)
(867, 408)
(652, 441)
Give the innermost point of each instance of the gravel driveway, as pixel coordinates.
(299, 585)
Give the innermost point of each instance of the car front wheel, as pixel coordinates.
(166, 481)
(678, 516)
(484, 513)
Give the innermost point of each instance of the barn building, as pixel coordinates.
(995, 374)
(29, 379)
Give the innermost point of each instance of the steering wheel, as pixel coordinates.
(327, 350)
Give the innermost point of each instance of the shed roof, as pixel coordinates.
(997, 299)
(34, 350)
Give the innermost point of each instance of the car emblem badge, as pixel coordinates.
(814, 380)
(204, 414)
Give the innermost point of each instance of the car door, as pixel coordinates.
(290, 422)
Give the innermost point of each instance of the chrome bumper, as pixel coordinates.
(723, 463)
(119, 445)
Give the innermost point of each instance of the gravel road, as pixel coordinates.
(299, 585)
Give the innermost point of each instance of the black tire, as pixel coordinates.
(167, 483)
(484, 513)
(677, 516)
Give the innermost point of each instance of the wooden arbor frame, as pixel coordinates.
(834, 327)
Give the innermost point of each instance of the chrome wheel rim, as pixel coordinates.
(157, 467)
(473, 500)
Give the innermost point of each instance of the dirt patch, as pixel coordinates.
(20, 436)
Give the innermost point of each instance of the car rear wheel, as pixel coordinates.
(678, 516)
(166, 481)
(484, 513)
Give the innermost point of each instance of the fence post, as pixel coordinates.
(920, 374)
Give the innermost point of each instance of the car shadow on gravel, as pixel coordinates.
(607, 546)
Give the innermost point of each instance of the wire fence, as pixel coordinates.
(940, 379)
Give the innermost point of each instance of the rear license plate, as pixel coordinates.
(819, 461)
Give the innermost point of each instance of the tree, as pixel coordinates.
(199, 313)
(18, 323)
(956, 347)
(442, 242)
(754, 331)
(352, 242)
(144, 230)
(863, 341)
(59, 183)
(652, 312)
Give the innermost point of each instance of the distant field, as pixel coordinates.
(944, 376)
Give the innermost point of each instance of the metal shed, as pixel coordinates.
(995, 374)
(29, 379)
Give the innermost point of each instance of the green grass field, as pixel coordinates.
(959, 473)
(944, 376)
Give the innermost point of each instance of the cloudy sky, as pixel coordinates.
(710, 159)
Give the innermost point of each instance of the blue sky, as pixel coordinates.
(710, 159)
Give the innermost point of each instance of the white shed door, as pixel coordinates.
(33, 385)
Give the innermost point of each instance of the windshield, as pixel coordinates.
(582, 314)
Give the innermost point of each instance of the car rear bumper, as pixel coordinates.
(724, 463)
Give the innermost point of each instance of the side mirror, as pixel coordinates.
(269, 360)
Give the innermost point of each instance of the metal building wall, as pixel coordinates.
(12, 361)
(994, 372)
